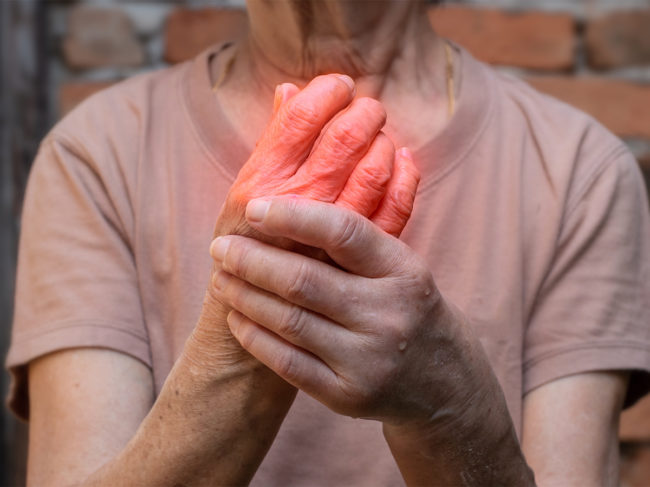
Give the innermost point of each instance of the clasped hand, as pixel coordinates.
(370, 339)
(321, 143)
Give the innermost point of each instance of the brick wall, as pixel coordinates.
(594, 54)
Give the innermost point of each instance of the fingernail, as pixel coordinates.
(219, 247)
(256, 210)
(347, 80)
(405, 153)
(277, 99)
(220, 279)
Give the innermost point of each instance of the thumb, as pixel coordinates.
(351, 240)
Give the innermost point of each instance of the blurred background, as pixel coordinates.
(594, 54)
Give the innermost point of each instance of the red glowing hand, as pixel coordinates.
(322, 145)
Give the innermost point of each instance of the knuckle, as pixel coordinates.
(347, 138)
(374, 177)
(346, 232)
(286, 366)
(300, 284)
(292, 323)
(301, 117)
(397, 208)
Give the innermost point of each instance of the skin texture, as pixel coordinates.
(294, 323)
(320, 144)
(94, 418)
(559, 426)
(350, 163)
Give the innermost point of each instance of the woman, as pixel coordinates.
(503, 312)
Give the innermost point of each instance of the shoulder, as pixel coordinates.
(569, 147)
(554, 125)
(123, 109)
(106, 136)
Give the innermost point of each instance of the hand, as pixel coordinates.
(322, 145)
(373, 339)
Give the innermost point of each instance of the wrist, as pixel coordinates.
(210, 425)
(472, 445)
(207, 375)
(467, 436)
(211, 344)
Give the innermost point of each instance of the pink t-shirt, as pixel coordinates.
(532, 217)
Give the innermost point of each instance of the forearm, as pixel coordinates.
(476, 448)
(469, 439)
(211, 424)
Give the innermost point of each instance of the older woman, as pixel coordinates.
(489, 342)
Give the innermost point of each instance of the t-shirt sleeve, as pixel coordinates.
(593, 310)
(76, 279)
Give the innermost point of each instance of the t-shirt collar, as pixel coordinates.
(436, 158)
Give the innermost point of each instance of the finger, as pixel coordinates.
(351, 240)
(283, 93)
(305, 282)
(291, 133)
(295, 324)
(342, 145)
(395, 208)
(367, 184)
(295, 365)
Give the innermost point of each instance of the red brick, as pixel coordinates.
(621, 106)
(635, 422)
(71, 94)
(619, 39)
(635, 465)
(99, 37)
(530, 40)
(188, 32)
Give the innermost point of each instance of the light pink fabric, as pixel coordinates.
(533, 218)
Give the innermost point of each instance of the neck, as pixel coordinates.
(296, 40)
(356, 37)
(386, 46)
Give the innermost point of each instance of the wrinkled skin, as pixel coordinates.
(380, 307)
(321, 144)
(373, 338)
